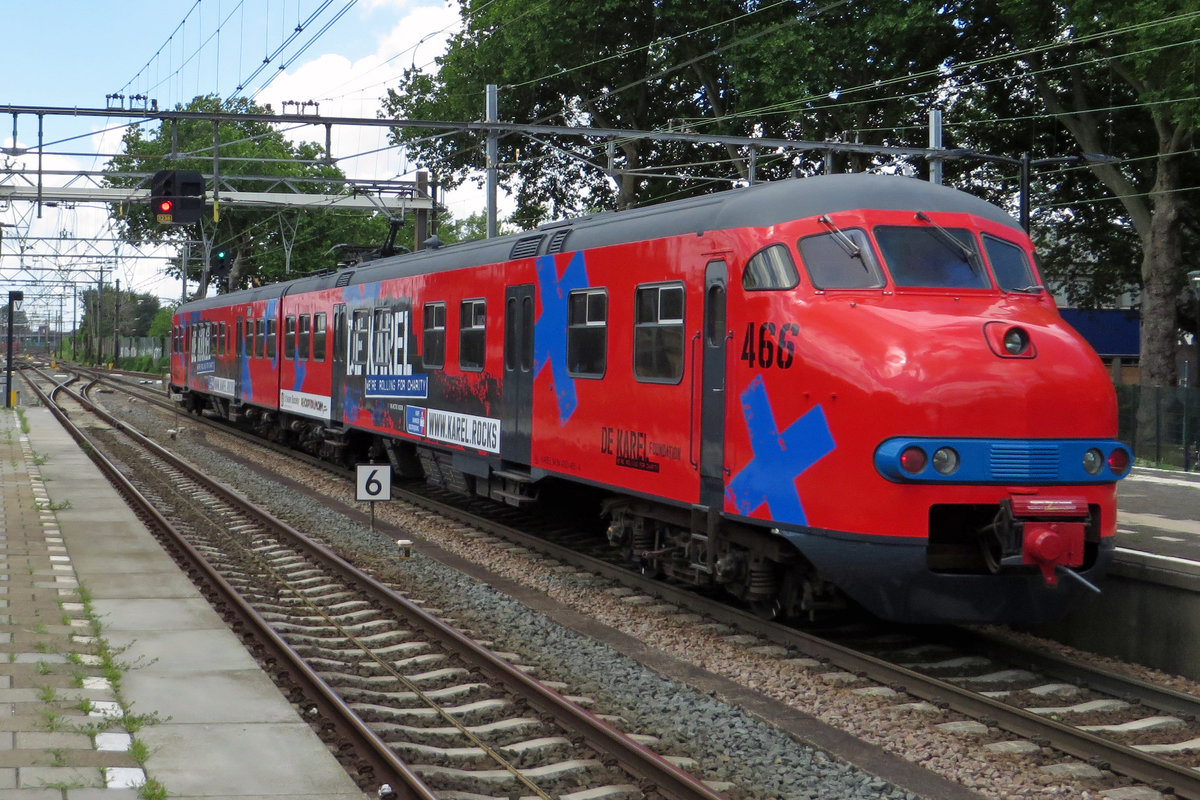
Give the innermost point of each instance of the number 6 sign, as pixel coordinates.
(374, 482)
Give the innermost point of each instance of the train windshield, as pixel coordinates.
(840, 259)
(1010, 265)
(931, 256)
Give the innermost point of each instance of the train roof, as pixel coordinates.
(758, 206)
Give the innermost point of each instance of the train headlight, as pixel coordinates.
(1016, 341)
(913, 460)
(945, 460)
(1009, 341)
(1118, 461)
(1093, 461)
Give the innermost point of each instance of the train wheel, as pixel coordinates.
(771, 609)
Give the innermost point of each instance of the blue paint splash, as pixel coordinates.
(779, 458)
(549, 333)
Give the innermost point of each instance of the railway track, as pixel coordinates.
(403, 697)
(1105, 720)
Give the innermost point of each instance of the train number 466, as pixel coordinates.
(770, 345)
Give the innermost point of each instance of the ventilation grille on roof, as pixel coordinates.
(557, 239)
(529, 246)
(343, 278)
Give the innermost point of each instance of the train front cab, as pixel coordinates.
(836, 374)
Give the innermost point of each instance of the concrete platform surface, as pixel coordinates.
(117, 679)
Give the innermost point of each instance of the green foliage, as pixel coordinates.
(160, 325)
(698, 67)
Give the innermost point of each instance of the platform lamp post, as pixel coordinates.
(13, 299)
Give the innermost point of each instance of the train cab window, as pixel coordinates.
(930, 256)
(381, 352)
(358, 339)
(318, 337)
(840, 259)
(1010, 265)
(472, 325)
(289, 337)
(770, 268)
(658, 334)
(271, 324)
(304, 337)
(433, 339)
(587, 333)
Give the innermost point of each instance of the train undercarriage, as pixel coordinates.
(692, 547)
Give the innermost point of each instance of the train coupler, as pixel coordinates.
(1047, 532)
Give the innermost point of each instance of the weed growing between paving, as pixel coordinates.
(112, 668)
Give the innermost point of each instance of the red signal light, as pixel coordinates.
(166, 206)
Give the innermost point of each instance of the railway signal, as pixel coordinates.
(177, 196)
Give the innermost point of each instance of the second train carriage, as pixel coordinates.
(846, 384)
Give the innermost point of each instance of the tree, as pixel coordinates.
(267, 244)
(161, 324)
(715, 66)
(1117, 78)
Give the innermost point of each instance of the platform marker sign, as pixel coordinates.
(373, 483)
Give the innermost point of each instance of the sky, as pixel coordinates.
(75, 53)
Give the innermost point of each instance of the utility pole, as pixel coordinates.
(99, 318)
(13, 299)
(117, 325)
(493, 145)
(935, 143)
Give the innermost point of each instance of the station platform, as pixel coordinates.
(117, 679)
(1157, 513)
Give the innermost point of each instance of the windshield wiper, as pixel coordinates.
(839, 236)
(1031, 289)
(965, 253)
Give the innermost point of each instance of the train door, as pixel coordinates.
(337, 372)
(516, 425)
(712, 403)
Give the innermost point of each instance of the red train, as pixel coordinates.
(842, 386)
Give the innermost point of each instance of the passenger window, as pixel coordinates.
(1010, 265)
(841, 259)
(587, 333)
(658, 334)
(358, 340)
(318, 342)
(260, 337)
(289, 337)
(932, 256)
(472, 327)
(434, 336)
(271, 325)
(303, 334)
(382, 351)
(771, 268)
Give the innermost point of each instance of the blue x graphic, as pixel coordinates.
(779, 458)
(550, 330)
